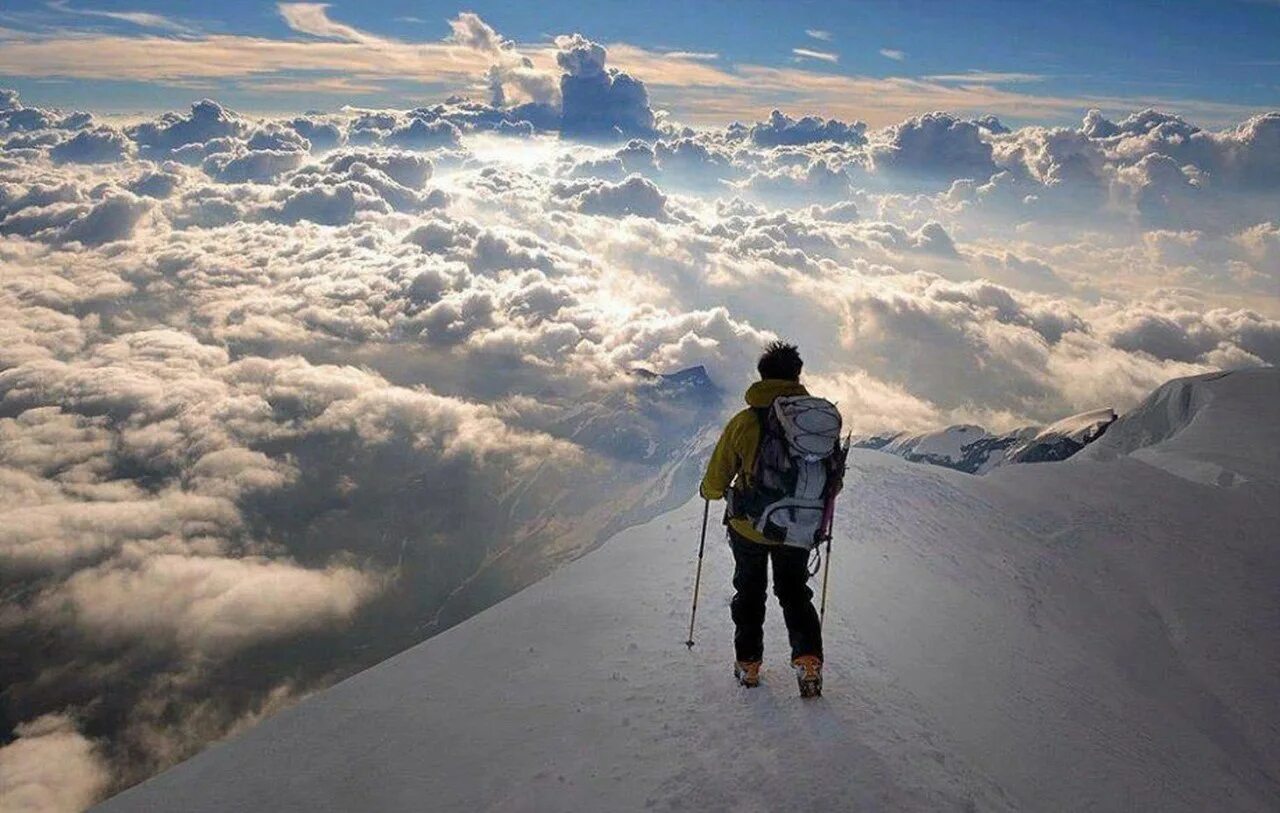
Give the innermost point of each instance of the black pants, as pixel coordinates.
(790, 585)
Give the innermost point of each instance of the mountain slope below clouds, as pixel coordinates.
(1091, 634)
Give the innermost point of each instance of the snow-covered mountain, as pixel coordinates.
(974, 450)
(1101, 633)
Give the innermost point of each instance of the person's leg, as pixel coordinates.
(750, 579)
(790, 585)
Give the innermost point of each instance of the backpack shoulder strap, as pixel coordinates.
(762, 417)
(762, 424)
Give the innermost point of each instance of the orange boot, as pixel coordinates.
(747, 673)
(809, 675)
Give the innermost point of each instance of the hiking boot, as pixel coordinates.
(747, 673)
(809, 675)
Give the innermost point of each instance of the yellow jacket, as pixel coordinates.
(735, 453)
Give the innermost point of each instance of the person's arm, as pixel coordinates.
(722, 467)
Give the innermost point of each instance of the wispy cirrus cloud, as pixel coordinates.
(753, 90)
(697, 55)
(893, 53)
(318, 84)
(142, 19)
(986, 77)
(809, 53)
(818, 34)
(314, 19)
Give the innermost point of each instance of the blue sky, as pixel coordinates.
(1023, 61)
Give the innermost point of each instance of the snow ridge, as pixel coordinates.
(1205, 428)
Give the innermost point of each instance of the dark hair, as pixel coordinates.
(780, 360)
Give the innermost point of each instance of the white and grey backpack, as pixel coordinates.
(798, 469)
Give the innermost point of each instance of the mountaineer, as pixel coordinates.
(779, 464)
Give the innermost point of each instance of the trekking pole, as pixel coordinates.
(826, 571)
(697, 579)
(829, 523)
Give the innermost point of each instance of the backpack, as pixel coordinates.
(799, 469)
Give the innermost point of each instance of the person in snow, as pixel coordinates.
(729, 473)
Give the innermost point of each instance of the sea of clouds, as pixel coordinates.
(271, 389)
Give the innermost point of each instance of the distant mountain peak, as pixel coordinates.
(974, 450)
(690, 381)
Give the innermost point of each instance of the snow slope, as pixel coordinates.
(1098, 634)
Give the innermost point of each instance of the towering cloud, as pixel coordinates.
(599, 102)
(512, 78)
(589, 100)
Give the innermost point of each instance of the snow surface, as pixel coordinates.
(1094, 634)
